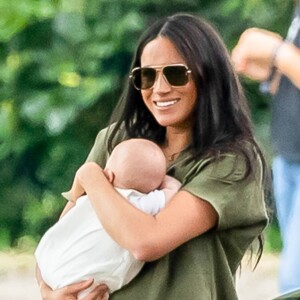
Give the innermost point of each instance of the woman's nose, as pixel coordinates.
(161, 85)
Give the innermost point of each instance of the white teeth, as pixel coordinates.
(166, 103)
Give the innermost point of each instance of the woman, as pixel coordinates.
(184, 96)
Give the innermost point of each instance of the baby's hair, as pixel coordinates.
(138, 164)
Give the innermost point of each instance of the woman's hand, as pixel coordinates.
(71, 291)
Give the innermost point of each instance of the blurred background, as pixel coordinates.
(62, 67)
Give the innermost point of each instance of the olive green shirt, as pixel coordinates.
(204, 267)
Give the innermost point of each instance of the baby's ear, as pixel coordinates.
(109, 175)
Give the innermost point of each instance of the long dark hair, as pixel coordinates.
(222, 116)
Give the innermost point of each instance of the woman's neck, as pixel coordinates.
(177, 140)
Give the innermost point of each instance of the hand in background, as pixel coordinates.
(253, 54)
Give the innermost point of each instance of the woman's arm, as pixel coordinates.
(146, 236)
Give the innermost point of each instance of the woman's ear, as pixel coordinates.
(109, 175)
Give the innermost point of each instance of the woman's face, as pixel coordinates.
(171, 106)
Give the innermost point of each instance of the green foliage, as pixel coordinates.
(38, 215)
(273, 240)
(4, 238)
(16, 15)
(62, 67)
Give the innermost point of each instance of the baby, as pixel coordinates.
(77, 247)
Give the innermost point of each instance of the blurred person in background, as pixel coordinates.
(275, 62)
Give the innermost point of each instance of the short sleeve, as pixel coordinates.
(99, 153)
(238, 200)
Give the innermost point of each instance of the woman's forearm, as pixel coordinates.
(145, 236)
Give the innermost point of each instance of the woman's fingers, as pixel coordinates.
(75, 288)
(45, 290)
(70, 292)
(100, 292)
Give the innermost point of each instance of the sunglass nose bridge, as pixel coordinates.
(161, 81)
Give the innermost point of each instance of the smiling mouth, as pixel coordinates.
(165, 103)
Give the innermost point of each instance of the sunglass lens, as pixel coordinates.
(143, 78)
(176, 75)
(136, 78)
(147, 77)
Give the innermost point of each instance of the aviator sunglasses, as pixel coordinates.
(144, 78)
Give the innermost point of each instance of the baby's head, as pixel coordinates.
(137, 164)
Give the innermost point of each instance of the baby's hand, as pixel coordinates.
(89, 176)
(75, 192)
(170, 183)
(170, 186)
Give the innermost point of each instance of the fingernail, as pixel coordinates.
(106, 296)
